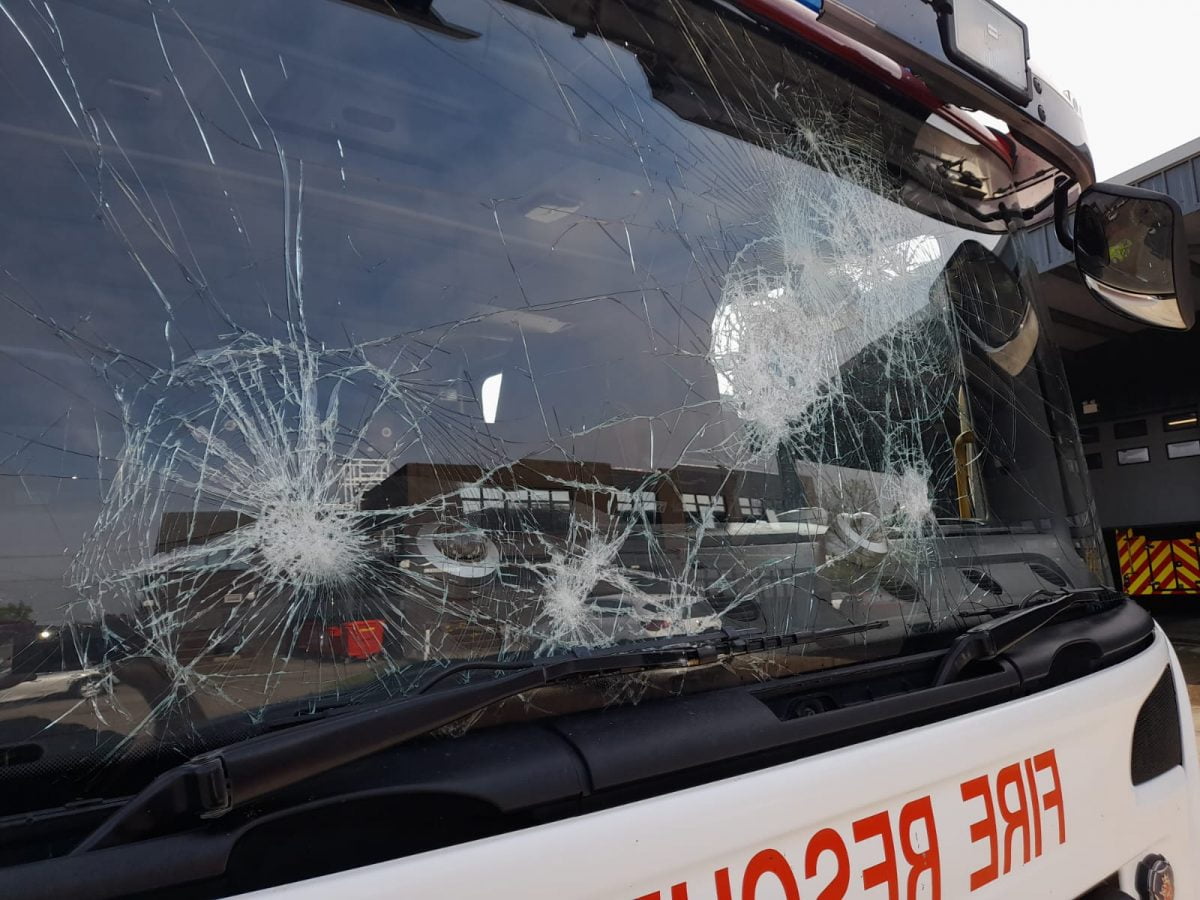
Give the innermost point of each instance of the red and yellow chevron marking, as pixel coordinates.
(1187, 565)
(1162, 566)
(1134, 562)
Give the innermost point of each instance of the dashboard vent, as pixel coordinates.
(746, 612)
(901, 590)
(1157, 745)
(1048, 575)
(983, 580)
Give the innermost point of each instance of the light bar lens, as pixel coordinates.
(991, 39)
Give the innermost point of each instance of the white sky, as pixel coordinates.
(1130, 65)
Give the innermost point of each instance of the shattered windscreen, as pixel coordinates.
(347, 341)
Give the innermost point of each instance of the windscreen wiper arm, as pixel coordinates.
(989, 640)
(213, 784)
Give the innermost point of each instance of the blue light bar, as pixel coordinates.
(815, 5)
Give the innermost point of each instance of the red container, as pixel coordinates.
(358, 640)
(349, 640)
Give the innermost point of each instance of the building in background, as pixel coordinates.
(1137, 395)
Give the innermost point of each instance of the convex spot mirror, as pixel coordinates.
(1131, 250)
(991, 308)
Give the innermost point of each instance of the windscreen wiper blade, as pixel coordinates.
(213, 784)
(989, 640)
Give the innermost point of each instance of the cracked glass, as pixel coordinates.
(340, 347)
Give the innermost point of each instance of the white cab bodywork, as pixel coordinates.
(777, 834)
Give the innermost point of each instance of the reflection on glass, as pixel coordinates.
(1126, 243)
(1126, 251)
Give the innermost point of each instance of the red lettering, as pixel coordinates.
(880, 826)
(984, 828)
(680, 891)
(1016, 816)
(1052, 797)
(913, 812)
(1016, 797)
(1035, 814)
(769, 862)
(829, 841)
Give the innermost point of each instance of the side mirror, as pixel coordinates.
(1131, 251)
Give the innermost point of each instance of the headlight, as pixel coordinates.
(989, 43)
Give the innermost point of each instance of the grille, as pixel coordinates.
(20, 754)
(1157, 745)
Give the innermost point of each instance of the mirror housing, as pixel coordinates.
(1131, 252)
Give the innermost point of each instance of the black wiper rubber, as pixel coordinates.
(989, 640)
(215, 783)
